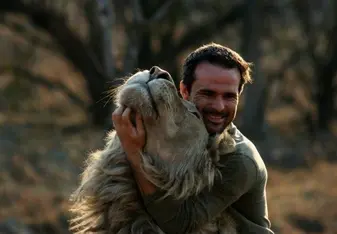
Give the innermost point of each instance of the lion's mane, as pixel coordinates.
(108, 200)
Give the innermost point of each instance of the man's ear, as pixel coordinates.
(183, 90)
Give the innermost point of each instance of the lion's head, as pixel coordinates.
(173, 125)
(177, 158)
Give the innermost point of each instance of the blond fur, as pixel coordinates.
(107, 200)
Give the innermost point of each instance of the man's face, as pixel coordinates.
(215, 92)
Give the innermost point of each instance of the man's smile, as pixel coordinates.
(216, 119)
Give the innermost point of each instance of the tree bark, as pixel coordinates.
(325, 63)
(326, 75)
(101, 18)
(253, 115)
(325, 93)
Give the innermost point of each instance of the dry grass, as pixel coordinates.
(308, 192)
(37, 196)
(34, 186)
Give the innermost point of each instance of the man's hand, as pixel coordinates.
(132, 137)
(133, 141)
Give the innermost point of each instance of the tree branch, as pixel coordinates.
(37, 79)
(204, 31)
(138, 16)
(304, 13)
(100, 18)
(162, 12)
(24, 31)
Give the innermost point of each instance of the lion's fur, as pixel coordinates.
(107, 199)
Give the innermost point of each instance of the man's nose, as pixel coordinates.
(158, 73)
(219, 104)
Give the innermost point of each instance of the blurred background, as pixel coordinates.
(59, 59)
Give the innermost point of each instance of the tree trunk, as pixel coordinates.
(100, 17)
(253, 116)
(325, 97)
(325, 79)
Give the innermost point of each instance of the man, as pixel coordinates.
(213, 79)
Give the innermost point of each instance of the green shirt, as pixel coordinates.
(242, 192)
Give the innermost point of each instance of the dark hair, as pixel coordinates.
(218, 55)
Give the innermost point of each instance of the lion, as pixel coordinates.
(179, 157)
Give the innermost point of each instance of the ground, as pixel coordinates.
(37, 181)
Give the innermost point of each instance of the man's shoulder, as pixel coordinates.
(246, 149)
(242, 144)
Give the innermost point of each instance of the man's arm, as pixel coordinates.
(176, 216)
(133, 140)
(145, 187)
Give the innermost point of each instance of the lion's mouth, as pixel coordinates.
(153, 103)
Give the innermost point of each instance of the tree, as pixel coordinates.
(92, 58)
(253, 116)
(154, 32)
(319, 22)
(159, 32)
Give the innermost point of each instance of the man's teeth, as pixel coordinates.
(215, 118)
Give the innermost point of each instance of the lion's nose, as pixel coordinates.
(158, 73)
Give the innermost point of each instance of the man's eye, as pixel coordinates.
(231, 96)
(208, 94)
